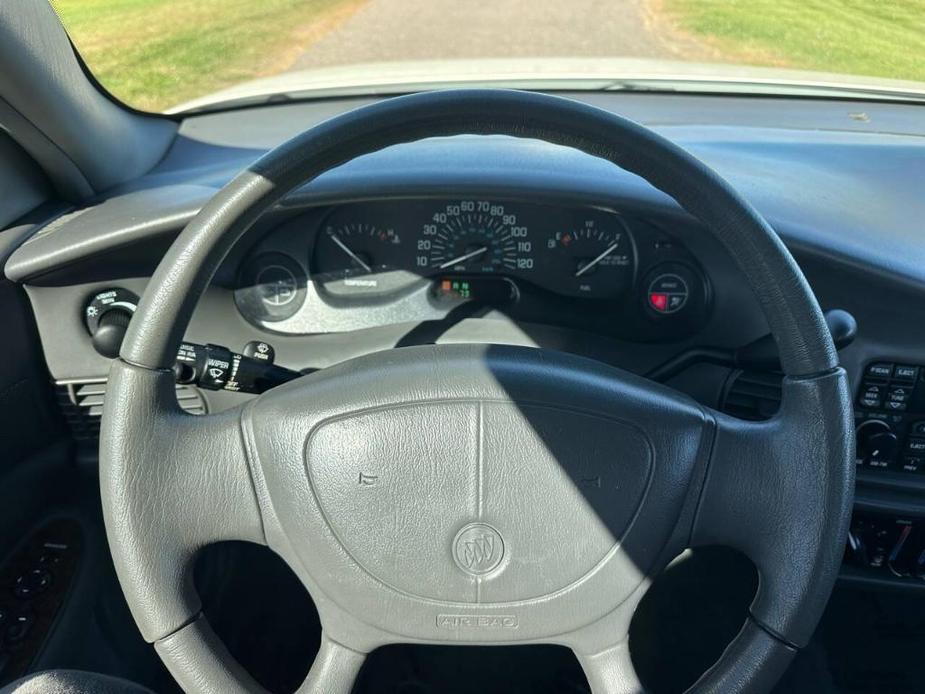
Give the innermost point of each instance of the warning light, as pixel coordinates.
(668, 293)
(454, 289)
(658, 301)
(489, 291)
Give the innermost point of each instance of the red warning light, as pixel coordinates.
(658, 301)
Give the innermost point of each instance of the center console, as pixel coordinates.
(890, 418)
(889, 546)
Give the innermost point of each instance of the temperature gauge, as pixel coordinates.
(356, 248)
(357, 259)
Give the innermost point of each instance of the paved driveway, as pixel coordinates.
(391, 30)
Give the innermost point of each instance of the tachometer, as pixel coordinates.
(592, 257)
(474, 236)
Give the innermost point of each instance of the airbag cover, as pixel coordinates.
(493, 501)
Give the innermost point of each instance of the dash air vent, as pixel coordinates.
(752, 395)
(82, 405)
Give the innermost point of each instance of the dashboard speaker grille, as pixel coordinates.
(81, 402)
(752, 395)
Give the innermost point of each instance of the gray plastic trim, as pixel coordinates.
(76, 235)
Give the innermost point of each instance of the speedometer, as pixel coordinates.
(474, 236)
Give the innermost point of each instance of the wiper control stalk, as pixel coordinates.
(214, 367)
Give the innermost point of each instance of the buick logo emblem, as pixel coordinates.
(478, 549)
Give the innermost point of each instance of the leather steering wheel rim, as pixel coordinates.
(172, 483)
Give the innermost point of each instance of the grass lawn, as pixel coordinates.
(884, 38)
(157, 53)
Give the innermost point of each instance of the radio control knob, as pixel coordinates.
(876, 441)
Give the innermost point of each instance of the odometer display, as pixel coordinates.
(474, 236)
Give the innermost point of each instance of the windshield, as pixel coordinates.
(158, 54)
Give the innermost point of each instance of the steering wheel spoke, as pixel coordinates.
(335, 669)
(602, 649)
(611, 671)
(779, 491)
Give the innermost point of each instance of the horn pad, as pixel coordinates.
(468, 493)
(477, 501)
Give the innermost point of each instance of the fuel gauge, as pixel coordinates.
(593, 258)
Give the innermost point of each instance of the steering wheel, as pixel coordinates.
(476, 494)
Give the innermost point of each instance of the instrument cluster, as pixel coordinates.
(378, 249)
(366, 264)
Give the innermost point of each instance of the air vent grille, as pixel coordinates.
(752, 395)
(81, 403)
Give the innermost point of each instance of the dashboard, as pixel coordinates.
(520, 242)
(364, 264)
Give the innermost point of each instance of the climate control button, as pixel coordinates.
(871, 396)
(880, 371)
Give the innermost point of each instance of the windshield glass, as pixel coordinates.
(158, 54)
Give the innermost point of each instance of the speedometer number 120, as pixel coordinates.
(474, 236)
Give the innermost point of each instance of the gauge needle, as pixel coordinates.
(465, 256)
(610, 249)
(354, 256)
